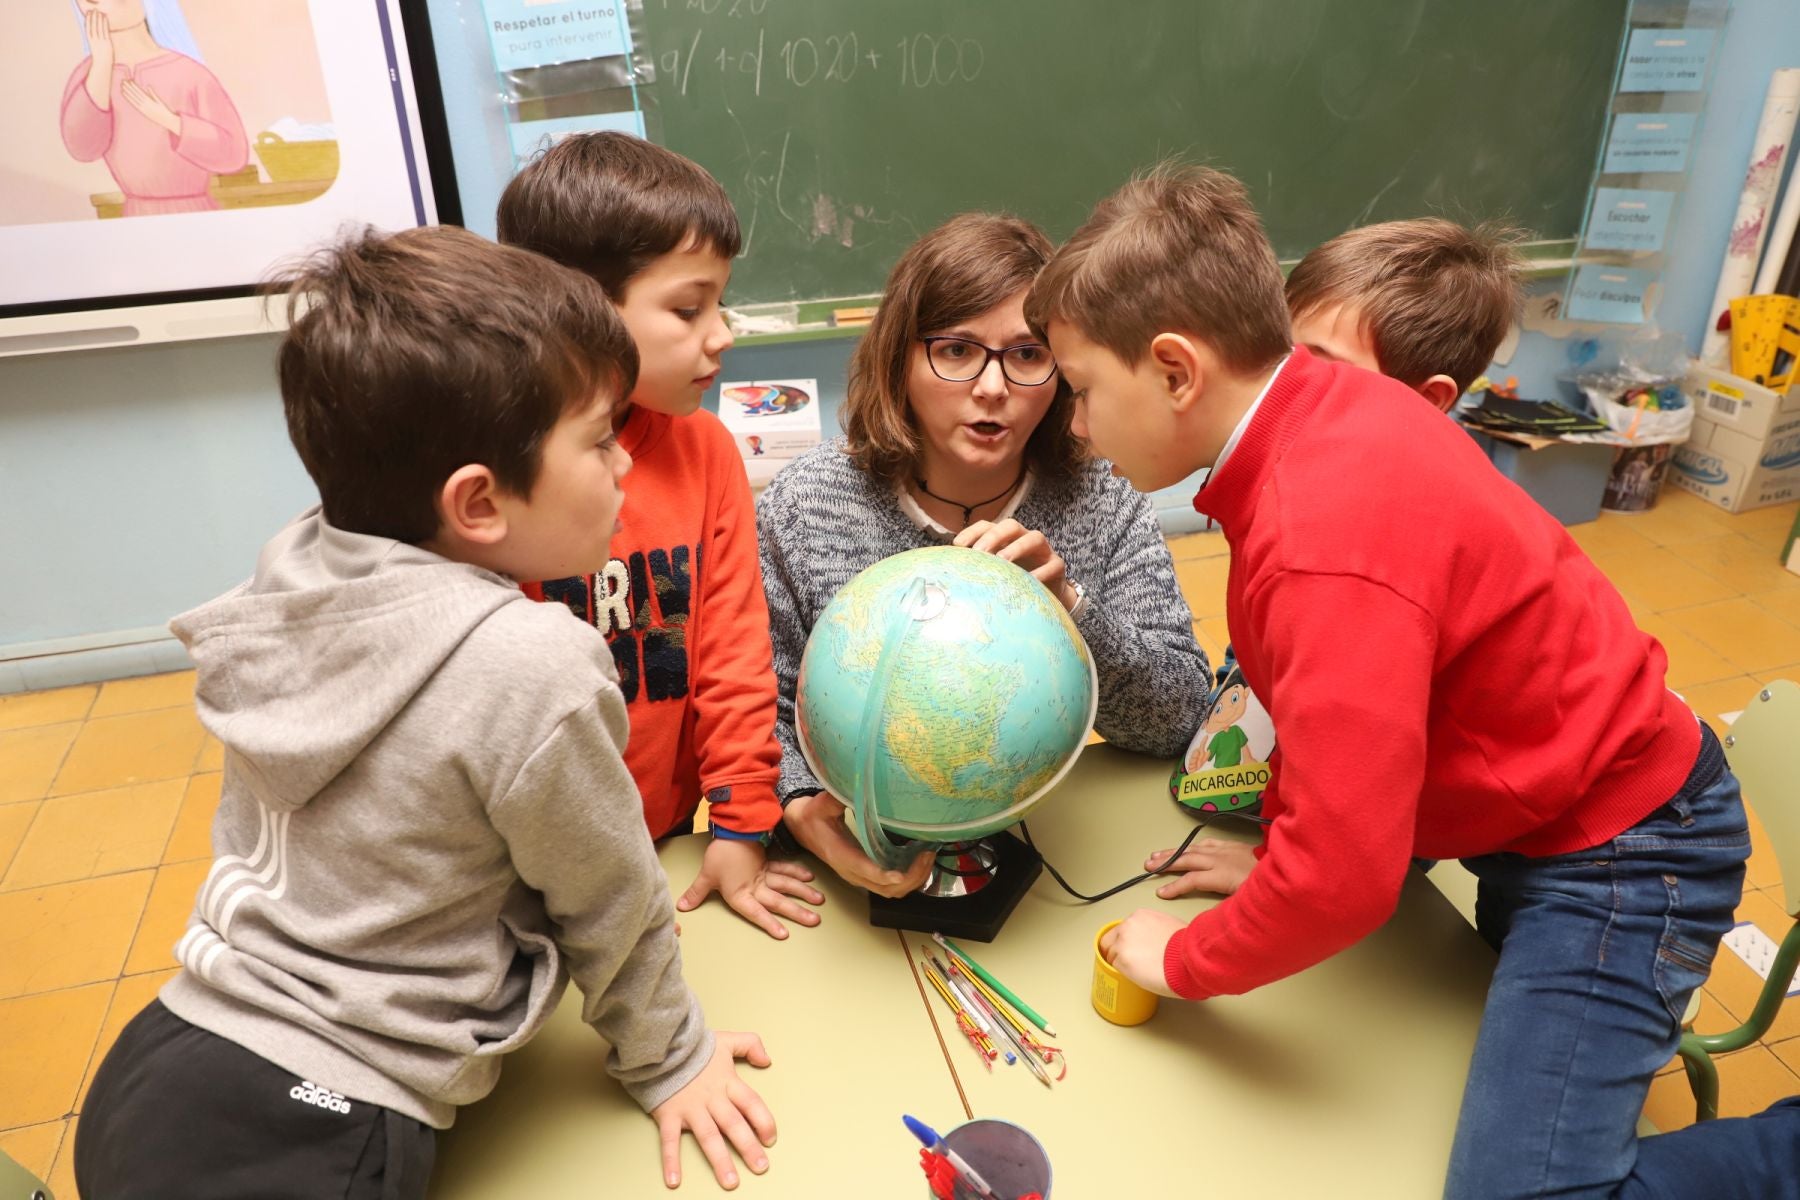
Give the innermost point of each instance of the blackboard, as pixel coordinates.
(843, 129)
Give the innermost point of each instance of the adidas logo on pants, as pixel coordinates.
(312, 1093)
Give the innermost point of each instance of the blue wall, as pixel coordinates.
(135, 483)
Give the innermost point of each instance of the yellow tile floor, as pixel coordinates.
(107, 793)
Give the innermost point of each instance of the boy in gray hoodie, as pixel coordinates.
(426, 826)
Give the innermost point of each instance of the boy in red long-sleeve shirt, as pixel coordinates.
(1450, 677)
(1424, 301)
(681, 602)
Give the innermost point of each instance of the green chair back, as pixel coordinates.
(16, 1183)
(1763, 748)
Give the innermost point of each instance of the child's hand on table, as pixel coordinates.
(817, 823)
(717, 1106)
(1136, 947)
(761, 891)
(1211, 865)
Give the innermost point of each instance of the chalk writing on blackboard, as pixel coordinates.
(919, 62)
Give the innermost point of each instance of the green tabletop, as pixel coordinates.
(841, 1017)
(1341, 1081)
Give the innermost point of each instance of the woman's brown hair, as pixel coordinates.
(956, 272)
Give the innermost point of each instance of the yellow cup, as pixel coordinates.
(1117, 998)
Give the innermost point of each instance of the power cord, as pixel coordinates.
(1187, 841)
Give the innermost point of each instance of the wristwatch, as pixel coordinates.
(1081, 600)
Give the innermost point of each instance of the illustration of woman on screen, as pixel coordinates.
(142, 101)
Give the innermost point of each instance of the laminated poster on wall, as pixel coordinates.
(1617, 295)
(527, 35)
(1633, 219)
(1666, 60)
(1649, 143)
(543, 33)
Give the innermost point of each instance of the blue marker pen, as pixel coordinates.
(928, 1137)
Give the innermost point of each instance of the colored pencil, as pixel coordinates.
(1001, 1020)
(964, 1022)
(1000, 1006)
(1025, 1010)
(991, 1029)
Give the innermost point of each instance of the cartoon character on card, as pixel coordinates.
(1226, 765)
(1224, 745)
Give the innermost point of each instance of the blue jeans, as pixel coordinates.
(1599, 952)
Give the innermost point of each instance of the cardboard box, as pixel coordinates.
(771, 418)
(1737, 404)
(761, 470)
(1744, 451)
(1739, 473)
(1567, 478)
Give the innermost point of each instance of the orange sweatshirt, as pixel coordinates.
(681, 602)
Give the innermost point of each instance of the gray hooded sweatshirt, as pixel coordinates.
(425, 829)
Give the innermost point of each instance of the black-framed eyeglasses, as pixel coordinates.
(959, 360)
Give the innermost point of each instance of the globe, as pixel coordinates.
(942, 693)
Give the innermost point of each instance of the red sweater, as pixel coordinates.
(1447, 673)
(682, 605)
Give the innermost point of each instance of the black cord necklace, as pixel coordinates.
(968, 510)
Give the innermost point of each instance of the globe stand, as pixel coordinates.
(972, 889)
(960, 869)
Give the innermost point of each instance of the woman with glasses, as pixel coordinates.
(957, 430)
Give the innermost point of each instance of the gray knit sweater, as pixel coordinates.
(822, 520)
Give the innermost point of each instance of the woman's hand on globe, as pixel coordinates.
(1209, 865)
(1026, 548)
(817, 822)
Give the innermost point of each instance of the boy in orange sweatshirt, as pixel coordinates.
(681, 601)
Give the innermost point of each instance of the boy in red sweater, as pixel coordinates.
(681, 601)
(1426, 302)
(1450, 677)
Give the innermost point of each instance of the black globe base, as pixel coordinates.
(975, 916)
